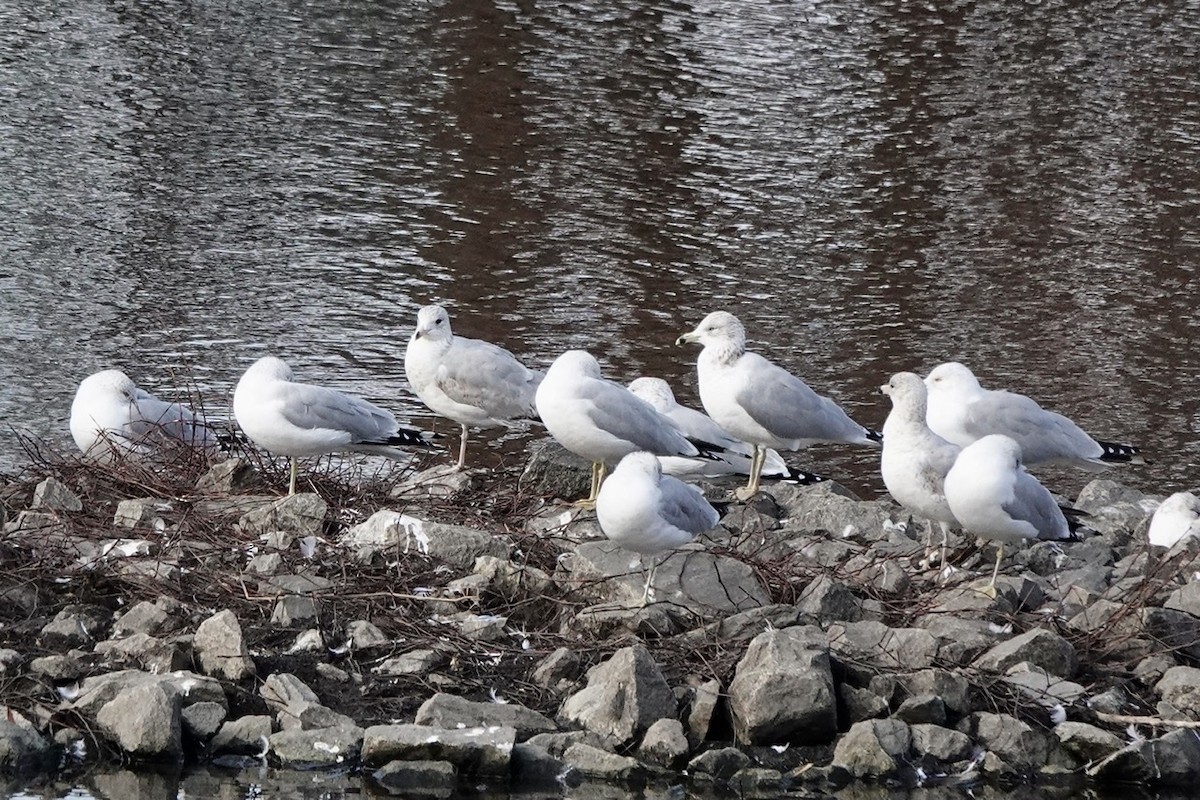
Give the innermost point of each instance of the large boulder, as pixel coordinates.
(1039, 646)
(220, 648)
(783, 689)
(456, 545)
(451, 711)
(624, 696)
(482, 750)
(874, 748)
(144, 721)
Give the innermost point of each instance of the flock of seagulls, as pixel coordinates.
(953, 452)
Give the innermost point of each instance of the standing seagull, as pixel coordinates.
(737, 456)
(993, 497)
(472, 382)
(760, 403)
(647, 512)
(111, 417)
(600, 420)
(915, 460)
(962, 411)
(299, 419)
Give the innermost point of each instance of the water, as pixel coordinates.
(870, 186)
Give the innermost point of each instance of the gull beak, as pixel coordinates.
(885, 389)
(687, 337)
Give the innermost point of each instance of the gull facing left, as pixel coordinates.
(645, 511)
(299, 419)
(473, 382)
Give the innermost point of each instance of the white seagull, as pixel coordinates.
(472, 382)
(645, 511)
(600, 420)
(1177, 518)
(735, 459)
(915, 460)
(299, 419)
(962, 411)
(993, 497)
(111, 417)
(759, 402)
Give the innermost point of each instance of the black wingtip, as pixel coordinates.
(801, 478)
(410, 437)
(1115, 453)
(1075, 523)
(873, 435)
(707, 449)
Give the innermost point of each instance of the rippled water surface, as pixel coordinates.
(185, 186)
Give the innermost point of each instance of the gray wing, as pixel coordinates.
(787, 407)
(1031, 502)
(703, 427)
(685, 507)
(480, 374)
(158, 417)
(618, 411)
(1043, 435)
(312, 407)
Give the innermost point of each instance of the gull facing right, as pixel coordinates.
(759, 402)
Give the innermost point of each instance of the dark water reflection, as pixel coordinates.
(871, 186)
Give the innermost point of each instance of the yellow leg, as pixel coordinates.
(462, 450)
(990, 589)
(757, 458)
(597, 478)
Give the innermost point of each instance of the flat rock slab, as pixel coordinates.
(481, 751)
(451, 711)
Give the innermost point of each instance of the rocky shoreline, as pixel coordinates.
(438, 628)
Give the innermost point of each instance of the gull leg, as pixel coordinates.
(990, 589)
(945, 526)
(292, 483)
(649, 581)
(597, 479)
(757, 458)
(462, 450)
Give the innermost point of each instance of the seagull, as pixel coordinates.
(737, 456)
(962, 411)
(915, 460)
(993, 497)
(759, 402)
(1177, 518)
(600, 420)
(111, 417)
(299, 419)
(472, 382)
(645, 511)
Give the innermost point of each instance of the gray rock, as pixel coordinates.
(744, 626)
(451, 711)
(664, 744)
(392, 531)
(201, 721)
(144, 721)
(1042, 687)
(757, 782)
(557, 743)
(441, 481)
(1128, 765)
(324, 747)
(481, 627)
(23, 750)
(1173, 630)
(304, 584)
(1186, 598)
(1009, 738)
(144, 652)
(1150, 670)
(512, 581)
(827, 600)
(1175, 758)
(1180, 686)
(1039, 646)
(945, 745)
(308, 641)
(189, 687)
(230, 476)
(873, 748)
(783, 689)
(283, 690)
(860, 704)
(150, 618)
(311, 717)
(417, 778)
(1087, 742)
(142, 512)
(298, 514)
(364, 635)
(611, 621)
(220, 648)
(535, 767)
(593, 762)
(293, 610)
(41, 525)
(952, 687)
(242, 736)
(702, 713)
(483, 751)
(67, 667)
(10, 661)
(719, 764)
(695, 579)
(1102, 493)
(559, 671)
(922, 708)
(414, 662)
(554, 471)
(826, 507)
(623, 697)
(53, 495)
(76, 626)
(874, 643)
(265, 564)
(960, 641)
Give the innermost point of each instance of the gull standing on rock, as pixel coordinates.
(600, 420)
(760, 403)
(299, 419)
(993, 497)
(962, 411)
(645, 511)
(915, 460)
(472, 382)
(1177, 518)
(737, 457)
(112, 417)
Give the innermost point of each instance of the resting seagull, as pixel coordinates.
(962, 411)
(600, 420)
(645, 511)
(112, 417)
(760, 403)
(1177, 518)
(299, 419)
(472, 382)
(915, 460)
(993, 497)
(737, 455)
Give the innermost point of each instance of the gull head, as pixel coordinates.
(719, 328)
(269, 368)
(432, 323)
(107, 382)
(579, 363)
(951, 377)
(906, 389)
(996, 448)
(640, 462)
(654, 391)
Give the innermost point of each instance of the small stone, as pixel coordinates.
(60, 668)
(623, 697)
(243, 736)
(828, 599)
(230, 476)
(594, 762)
(664, 744)
(925, 708)
(144, 721)
(1039, 646)
(53, 495)
(947, 746)
(783, 689)
(873, 748)
(317, 747)
(701, 715)
(558, 671)
(414, 662)
(363, 635)
(1087, 742)
(220, 648)
(451, 711)
(282, 690)
(719, 764)
(298, 515)
(201, 721)
(293, 610)
(437, 779)
(76, 626)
